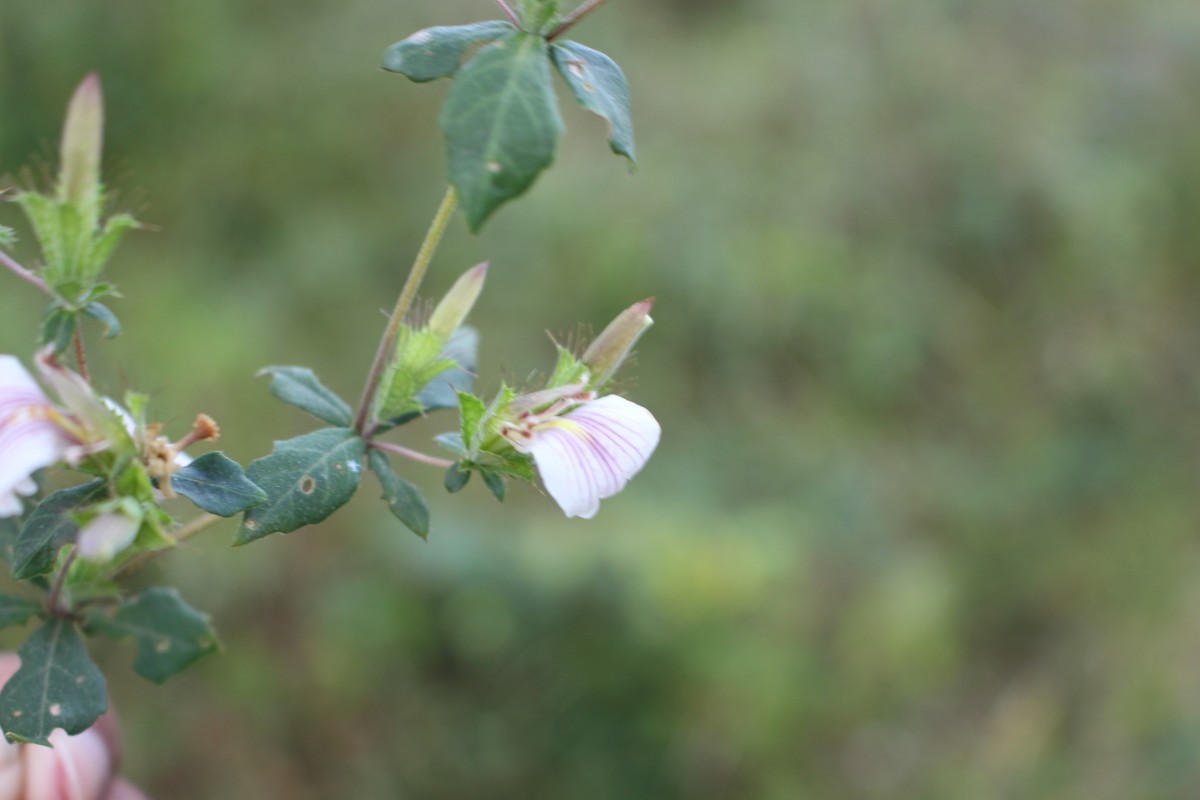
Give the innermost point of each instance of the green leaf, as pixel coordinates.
(417, 361)
(442, 392)
(501, 124)
(58, 326)
(217, 484)
(10, 527)
(17, 610)
(402, 497)
(306, 479)
(114, 231)
(49, 527)
(568, 370)
(298, 386)
(462, 349)
(437, 52)
(495, 483)
(102, 314)
(8, 237)
(456, 478)
(471, 416)
(170, 634)
(57, 686)
(600, 86)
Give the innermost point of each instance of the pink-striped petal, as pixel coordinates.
(591, 452)
(29, 438)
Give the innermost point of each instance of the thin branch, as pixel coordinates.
(508, 12)
(414, 455)
(200, 523)
(434, 235)
(80, 356)
(55, 593)
(24, 274)
(572, 19)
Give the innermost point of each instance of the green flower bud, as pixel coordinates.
(612, 346)
(457, 303)
(82, 141)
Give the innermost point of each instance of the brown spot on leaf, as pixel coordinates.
(308, 484)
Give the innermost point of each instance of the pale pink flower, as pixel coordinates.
(589, 452)
(31, 434)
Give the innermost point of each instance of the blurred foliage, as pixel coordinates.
(923, 522)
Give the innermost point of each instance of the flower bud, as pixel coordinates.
(110, 532)
(82, 141)
(612, 346)
(457, 303)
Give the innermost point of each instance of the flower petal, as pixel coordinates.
(27, 443)
(78, 768)
(107, 535)
(591, 452)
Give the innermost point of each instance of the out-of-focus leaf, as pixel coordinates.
(437, 52)
(58, 326)
(170, 634)
(600, 86)
(404, 499)
(501, 124)
(57, 686)
(456, 478)
(17, 610)
(298, 386)
(217, 484)
(306, 479)
(104, 315)
(49, 527)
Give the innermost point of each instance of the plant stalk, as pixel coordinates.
(200, 523)
(420, 266)
(508, 12)
(414, 455)
(24, 274)
(572, 19)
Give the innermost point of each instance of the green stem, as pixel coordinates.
(572, 19)
(56, 592)
(420, 266)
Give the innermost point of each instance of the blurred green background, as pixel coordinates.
(923, 519)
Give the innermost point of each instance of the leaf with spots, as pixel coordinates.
(298, 386)
(170, 634)
(600, 86)
(404, 499)
(306, 479)
(49, 527)
(501, 124)
(57, 686)
(217, 484)
(437, 52)
(17, 610)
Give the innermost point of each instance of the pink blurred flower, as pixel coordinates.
(32, 436)
(81, 767)
(585, 451)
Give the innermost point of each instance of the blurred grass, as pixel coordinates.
(923, 522)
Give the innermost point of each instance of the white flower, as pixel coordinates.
(108, 534)
(31, 435)
(588, 453)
